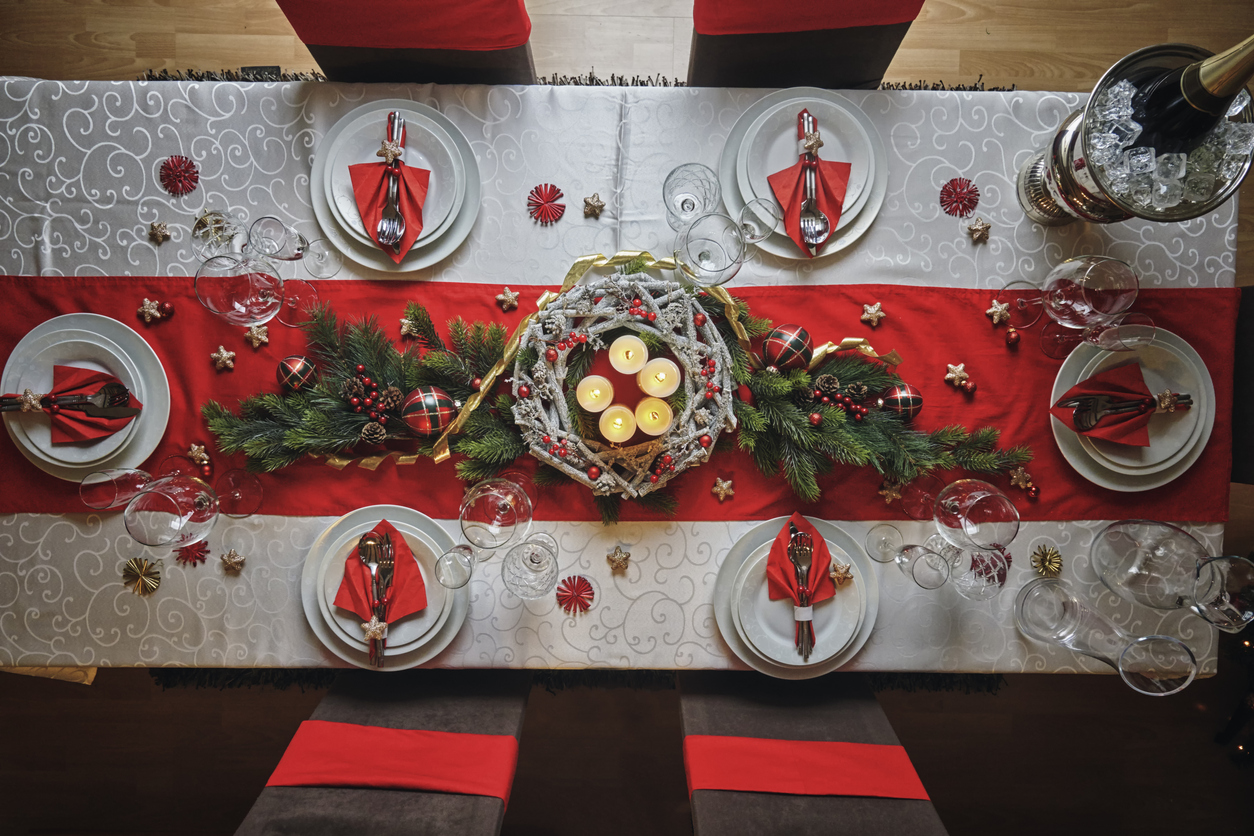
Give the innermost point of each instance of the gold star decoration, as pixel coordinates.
(150, 310)
(232, 562)
(812, 143)
(158, 232)
(1167, 400)
(722, 489)
(507, 299)
(1020, 478)
(1047, 561)
(890, 491)
(197, 454)
(839, 573)
(257, 335)
(618, 559)
(872, 314)
(978, 230)
(374, 628)
(390, 152)
(999, 312)
(956, 374)
(30, 401)
(223, 359)
(141, 576)
(408, 329)
(592, 206)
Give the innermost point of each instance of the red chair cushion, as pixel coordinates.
(750, 17)
(410, 24)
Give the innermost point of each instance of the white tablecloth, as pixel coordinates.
(79, 185)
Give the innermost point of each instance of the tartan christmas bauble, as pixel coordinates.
(428, 410)
(296, 372)
(788, 347)
(902, 399)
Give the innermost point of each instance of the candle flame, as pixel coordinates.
(653, 415)
(594, 394)
(618, 423)
(660, 377)
(628, 353)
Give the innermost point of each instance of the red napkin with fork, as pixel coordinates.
(1122, 382)
(370, 188)
(830, 182)
(409, 593)
(70, 425)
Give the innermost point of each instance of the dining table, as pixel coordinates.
(80, 186)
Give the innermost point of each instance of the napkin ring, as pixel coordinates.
(1169, 400)
(30, 401)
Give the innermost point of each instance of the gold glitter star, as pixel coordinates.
(232, 562)
(223, 359)
(618, 559)
(257, 335)
(592, 206)
(1047, 561)
(722, 489)
(150, 310)
(1020, 478)
(890, 491)
(390, 152)
(1167, 400)
(812, 143)
(872, 314)
(978, 230)
(374, 628)
(956, 374)
(1000, 312)
(197, 454)
(158, 232)
(30, 401)
(840, 573)
(507, 299)
(408, 329)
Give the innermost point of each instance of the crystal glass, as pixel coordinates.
(299, 297)
(172, 511)
(239, 493)
(530, 568)
(973, 514)
(321, 259)
(1164, 567)
(496, 512)
(978, 575)
(1082, 293)
(922, 564)
(108, 489)
(454, 567)
(689, 191)
(1047, 611)
(242, 290)
(918, 496)
(217, 232)
(1024, 303)
(759, 218)
(177, 465)
(1125, 332)
(883, 542)
(710, 250)
(272, 238)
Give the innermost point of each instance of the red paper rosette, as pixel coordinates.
(179, 175)
(542, 203)
(959, 197)
(575, 594)
(193, 554)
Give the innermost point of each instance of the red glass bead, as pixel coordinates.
(206, 470)
(594, 472)
(706, 441)
(699, 320)
(524, 391)
(816, 418)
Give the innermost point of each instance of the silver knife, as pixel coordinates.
(104, 411)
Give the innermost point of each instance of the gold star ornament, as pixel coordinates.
(141, 576)
(999, 312)
(1047, 561)
(507, 299)
(197, 454)
(257, 335)
(408, 329)
(374, 629)
(232, 562)
(890, 491)
(812, 143)
(872, 314)
(390, 152)
(223, 359)
(30, 401)
(618, 559)
(158, 232)
(1020, 478)
(592, 206)
(150, 310)
(978, 230)
(722, 489)
(956, 374)
(840, 573)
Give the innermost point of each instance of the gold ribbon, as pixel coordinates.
(372, 462)
(857, 344)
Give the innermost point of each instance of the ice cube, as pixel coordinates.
(1239, 103)
(1121, 184)
(1105, 139)
(1141, 188)
(1118, 167)
(1125, 132)
(1232, 166)
(1166, 194)
(1141, 160)
(1199, 187)
(1103, 155)
(1112, 110)
(1240, 137)
(1122, 89)
(1202, 159)
(1170, 166)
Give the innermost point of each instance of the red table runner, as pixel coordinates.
(930, 327)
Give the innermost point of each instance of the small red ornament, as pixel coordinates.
(179, 175)
(575, 594)
(524, 391)
(206, 470)
(1012, 337)
(361, 369)
(594, 473)
(816, 418)
(1034, 492)
(550, 354)
(968, 386)
(193, 554)
(167, 310)
(959, 197)
(542, 204)
(699, 320)
(706, 441)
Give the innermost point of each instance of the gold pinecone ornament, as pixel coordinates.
(390, 399)
(828, 384)
(374, 433)
(857, 391)
(352, 387)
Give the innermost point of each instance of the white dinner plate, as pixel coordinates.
(1069, 443)
(777, 243)
(151, 380)
(444, 240)
(439, 640)
(730, 568)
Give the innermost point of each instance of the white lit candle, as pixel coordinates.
(628, 354)
(654, 416)
(659, 378)
(617, 424)
(594, 393)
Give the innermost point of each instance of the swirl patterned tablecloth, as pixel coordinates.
(79, 186)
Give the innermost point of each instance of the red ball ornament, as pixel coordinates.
(166, 309)
(1034, 492)
(706, 441)
(968, 386)
(206, 470)
(788, 347)
(296, 372)
(594, 473)
(550, 354)
(547, 439)
(428, 410)
(699, 320)
(902, 399)
(816, 418)
(1012, 337)
(360, 368)
(179, 175)
(524, 391)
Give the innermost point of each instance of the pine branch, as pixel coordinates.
(427, 337)
(609, 506)
(659, 502)
(548, 477)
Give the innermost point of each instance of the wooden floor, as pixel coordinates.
(1050, 754)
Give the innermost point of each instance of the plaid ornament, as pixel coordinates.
(428, 410)
(788, 347)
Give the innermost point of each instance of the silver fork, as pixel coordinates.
(368, 554)
(387, 568)
(814, 224)
(392, 223)
(800, 552)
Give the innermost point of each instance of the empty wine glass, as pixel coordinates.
(918, 496)
(299, 298)
(979, 575)
(239, 493)
(273, 238)
(927, 568)
(973, 514)
(689, 191)
(1046, 610)
(1081, 294)
(242, 290)
(1125, 332)
(217, 232)
(496, 512)
(113, 488)
(530, 568)
(1164, 567)
(759, 218)
(710, 250)
(321, 259)
(172, 511)
(455, 566)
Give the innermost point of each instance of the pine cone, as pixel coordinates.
(857, 391)
(351, 387)
(373, 433)
(828, 384)
(389, 399)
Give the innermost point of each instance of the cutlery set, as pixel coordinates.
(815, 226)
(108, 402)
(378, 556)
(391, 227)
(1091, 409)
(801, 552)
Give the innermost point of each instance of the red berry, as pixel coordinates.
(594, 472)
(705, 372)
(1034, 492)
(552, 449)
(706, 441)
(857, 416)
(563, 442)
(698, 320)
(826, 399)
(667, 459)
(374, 416)
(670, 468)
(382, 419)
(817, 393)
(357, 408)
(524, 391)
(55, 409)
(816, 418)
(547, 439)
(550, 354)
(583, 338)
(572, 336)
(368, 402)
(166, 309)
(367, 382)
(374, 394)
(709, 396)
(653, 477)
(710, 385)
(206, 470)
(355, 401)
(652, 316)
(635, 303)
(718, 388)
(968, 386)
(562, 451)
(476, 383)
(360, 368)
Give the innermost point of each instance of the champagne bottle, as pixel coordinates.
(1177, 108)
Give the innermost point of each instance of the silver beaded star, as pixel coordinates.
(956, 374)
(158, 232)
(978, 230)
(257, 335)
(150, 310)
(30, 401)
(390, 152)
(232, 561)
(374, 628)
(722, 488)
(1000, 312)
(223, 359)
(872, 314)
(507, 299)
(592, 206)
(812, 143)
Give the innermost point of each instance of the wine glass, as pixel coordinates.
(1083, 293)
(1164, 567)
(108, 489)
(239, 493)
(689, 191)
(973, 514)
(978, 575)
(240, 289)
(172, 511)
(454, 568)
(217, 232)
(1126, 332)
(918, 496)
(299, 297)
(273, 238)
(1046, 610)
(495, 512)
(710, 250)
(530, 568)
(759, 218)
(927, 568)
(321, 259)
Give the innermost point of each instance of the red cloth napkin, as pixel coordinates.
(70, 425)
(781, 578)
(370, 187)
(831, 180)
(1131, 428)
(409, 593)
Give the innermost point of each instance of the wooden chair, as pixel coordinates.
(462, 42)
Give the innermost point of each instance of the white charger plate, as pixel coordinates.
(1069, 443)
(730, 568)
(156, 394)
(439, 641)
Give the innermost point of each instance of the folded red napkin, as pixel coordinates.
(831, 180)
(370, 188)
(409, 593)
(781, 578)
(70, 425)
(1123, 382)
